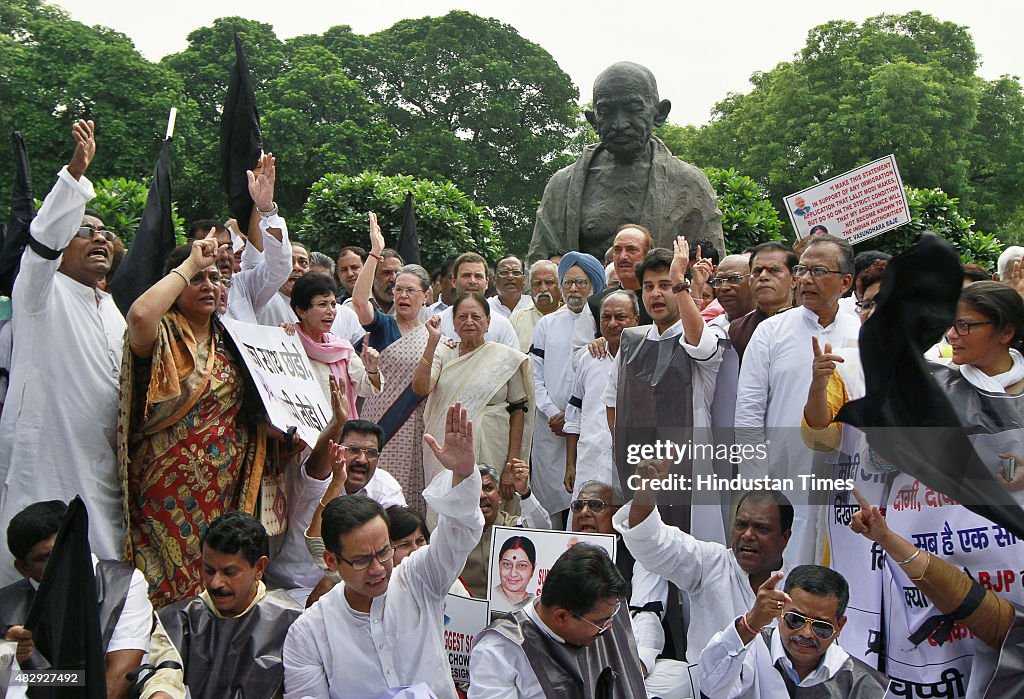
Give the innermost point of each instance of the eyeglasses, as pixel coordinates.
(733, 279)
(363, 562)
(821, 629)
(213, 277)
(964, 328)
(865, 306)
(601, 628)
(403, 290)
(514, 273)
(88, 232)
(352, 451)
(578, 283)
(816, 272)
(596, 506)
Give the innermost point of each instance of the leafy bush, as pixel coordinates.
(120, 203)
(748, 218)
(447, 220)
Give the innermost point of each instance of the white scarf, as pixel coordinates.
(998, 383)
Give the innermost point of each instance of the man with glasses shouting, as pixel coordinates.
(57, 434)
(747, 659)
(383, 626)
(575, 641)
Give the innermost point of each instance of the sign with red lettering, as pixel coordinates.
(857, 205)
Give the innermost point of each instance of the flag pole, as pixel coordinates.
(170, 123)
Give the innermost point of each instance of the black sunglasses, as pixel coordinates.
(796, 621)
(596, 506)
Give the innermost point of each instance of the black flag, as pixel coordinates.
(241, 142)
(65, 617)
(408, 241)
(907, 416)
(143, 264)
(23, 210)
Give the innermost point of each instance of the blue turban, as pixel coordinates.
(588, 263)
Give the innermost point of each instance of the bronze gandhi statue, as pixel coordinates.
(629, 177)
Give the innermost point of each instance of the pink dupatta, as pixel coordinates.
(336, 353)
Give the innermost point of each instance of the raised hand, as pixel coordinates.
(457, 453)
(339, 462)
(869, 522)
(770, 603)
(520, 471)
(1016, 278)
(370, 357)
(376, 236)
(85, 147)
(433, 326)
(824, 363)
(204, 252)
(339, 405)
(680, 260)
(261, 186)
(701, 271)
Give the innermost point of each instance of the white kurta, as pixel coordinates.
(254, 286)
(334, 651)
(499, 330)
(594, 458)
(58, 431)
(552, 383)
(774, 379)
(708, 572)
(498, 307)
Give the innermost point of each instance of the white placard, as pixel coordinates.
(464, 618)
(521, 580)
(284, 377)
(857, 205)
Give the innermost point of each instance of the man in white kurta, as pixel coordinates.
(334, 651)
(589, 440)
(58, 430)
(510, 281)
(469, 273)
(776, 374)
(254, 286)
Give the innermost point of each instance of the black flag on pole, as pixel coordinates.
(65, 617)
(408, 241)
(907, 416)
(241, 142)
(143, 264)
(23, 210)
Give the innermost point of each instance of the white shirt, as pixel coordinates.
(594, 458)
(647, 629)
(525, 301)
(383, 488)
(133, 627)
(718, 587)
(500, 669)
(707, 358)
(254, 286)
(334, 651)
(552, 383)
(729, 670)
(291, 566)
(776, 370)
(499, 329)
(59, 424)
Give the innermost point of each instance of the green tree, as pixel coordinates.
(447, 220)
(55, 70)
(474, 103)
(748, 218)
(120, 202)
(902, 84)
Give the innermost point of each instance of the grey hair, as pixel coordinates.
(420, 273)
(617, 499)
(1006, 260)
(319, 259)
(625, 295)
(487, 472)
(541, 264)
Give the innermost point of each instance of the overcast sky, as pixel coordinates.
(699, 52)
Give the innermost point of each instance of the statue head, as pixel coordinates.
(626, 109)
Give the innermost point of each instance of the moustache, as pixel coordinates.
(220, 593)
(544, 296)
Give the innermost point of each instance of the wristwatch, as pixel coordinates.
(267, 214)
(681, 287)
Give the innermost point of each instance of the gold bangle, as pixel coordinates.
(925, 568)
(322, 503)
(182, 275)
(424, 362)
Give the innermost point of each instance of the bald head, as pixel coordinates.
(626, 109)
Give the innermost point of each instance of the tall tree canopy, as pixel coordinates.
(903, 84)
